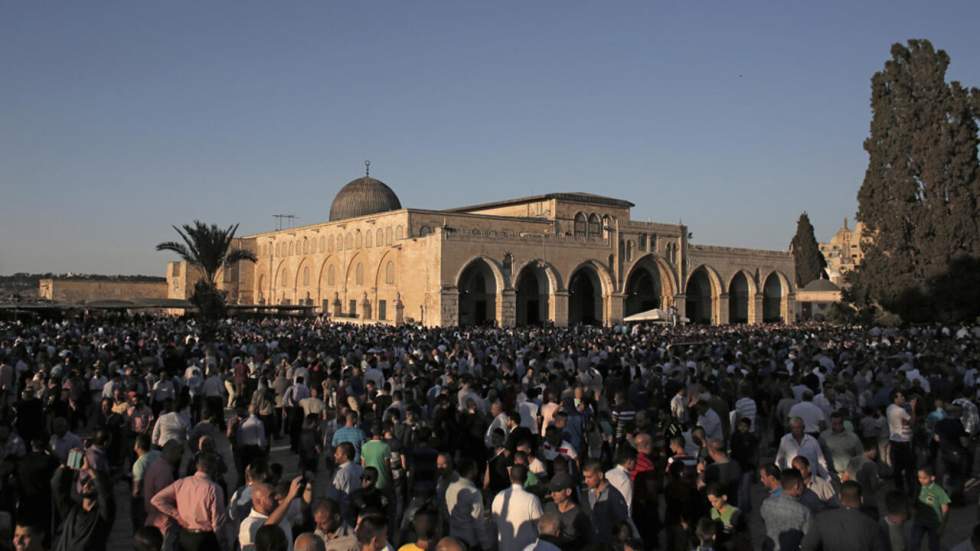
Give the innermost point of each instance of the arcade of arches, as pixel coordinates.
(560, 258)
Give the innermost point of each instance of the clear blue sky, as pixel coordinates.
(120, 118)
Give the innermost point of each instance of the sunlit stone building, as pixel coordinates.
(564, 258)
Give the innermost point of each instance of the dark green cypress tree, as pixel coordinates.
(810, 262)
(919, 197)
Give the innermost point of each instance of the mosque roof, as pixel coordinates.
(575, 196)
(361, 197)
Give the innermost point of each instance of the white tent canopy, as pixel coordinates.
(656, 315)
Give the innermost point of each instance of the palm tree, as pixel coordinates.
(207, 248)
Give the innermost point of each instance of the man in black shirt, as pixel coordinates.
(575, 526)
(86, 523)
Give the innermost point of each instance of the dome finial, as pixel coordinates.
(367, 169)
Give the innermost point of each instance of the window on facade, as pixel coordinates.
(643, 242)
(580, 225)
(323, 244)
(424, 231)
(387, 236)
(382, 309)
(358, 240)
(399, 232)
(367, 239)
(629, 250)
(390, 273)
(292, 248)
(594, 226)
(284, 279)
(331, 276)
(176, 269)
(359, 274)
(605, 227)
(379, 237)
(349, 241)
(306, 276)
(329, 243)
(352, 307)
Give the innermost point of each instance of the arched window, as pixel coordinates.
(580, 225)
(359, 274)
(292, 248)
(323, 244)
(380, 237)
(329, 243)
(387, 236)
(367, 239)
(358, 240)
(594, 227)
(399, 231)
(629, 250)
(284, 280)
(390, 273)
(306, 276)
(349, 241)
(424, 231)
(331, 276)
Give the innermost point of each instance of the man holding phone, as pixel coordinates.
(85, 525)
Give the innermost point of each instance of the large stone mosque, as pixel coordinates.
(564, 258)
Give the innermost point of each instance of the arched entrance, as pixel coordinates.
(477, 294)
(772, 299)
(738, 299)
(648, 286)
(699, 302)
(585, 297)
(532, 295)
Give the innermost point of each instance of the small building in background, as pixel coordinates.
(813, 301)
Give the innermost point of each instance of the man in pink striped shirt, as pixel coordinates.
(197, 504)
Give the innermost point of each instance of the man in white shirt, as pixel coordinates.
(619, 476)
(265, 511)
(797, 442)
(710, 422)
(813, 417)
(900, 424)
(516, 511)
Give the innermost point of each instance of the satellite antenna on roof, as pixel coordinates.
(280, 217)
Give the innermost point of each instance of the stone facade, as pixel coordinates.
(843, 252)
(80, 291)
(563, 258)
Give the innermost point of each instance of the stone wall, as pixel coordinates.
(78, 291)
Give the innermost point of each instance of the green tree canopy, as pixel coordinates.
(810, 262)
(919, 198)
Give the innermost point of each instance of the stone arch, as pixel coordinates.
(776, 289)
(703, 291)
(379, 272)
(350, 273)
(535, 284)
(589, 287)
(479, 284)
(650, 282)
(280, 284)
(742, 290)
(323, 284)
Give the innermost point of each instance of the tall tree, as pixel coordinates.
(208, 249)
(810, 262)
(919, 199)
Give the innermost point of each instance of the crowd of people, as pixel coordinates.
(302, 434)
